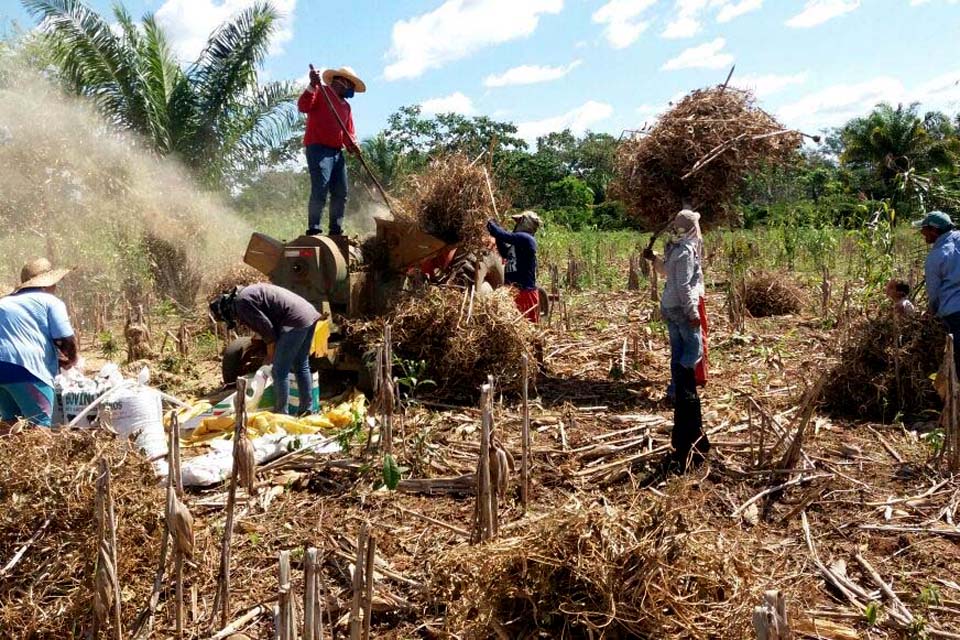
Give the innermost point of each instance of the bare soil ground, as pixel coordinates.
(863, 541)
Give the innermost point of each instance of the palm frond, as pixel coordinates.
(161, 75)
(258, 131)
(92, 59)
(227, 67)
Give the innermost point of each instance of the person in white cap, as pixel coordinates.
(519, 251)
(36, 341)
(329, 131)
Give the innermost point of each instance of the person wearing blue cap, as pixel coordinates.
(942, 271)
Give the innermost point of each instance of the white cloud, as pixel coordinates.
(834, 105)
(624, 21)
(529, 74)
(731, 10)
(577, 120)
(188, 23)
(459, 28)
(769, 84)
(686, 23)
(819, 11)
(709, 55)
(453, 103)
(688, 14)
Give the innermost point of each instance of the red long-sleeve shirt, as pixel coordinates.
(322, 125)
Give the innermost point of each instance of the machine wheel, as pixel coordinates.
(491, 271)
(240, 357)
(544, 303)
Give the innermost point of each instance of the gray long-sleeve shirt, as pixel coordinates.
(271, 310)
(684, 275)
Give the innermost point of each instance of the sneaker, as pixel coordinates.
(312, 232)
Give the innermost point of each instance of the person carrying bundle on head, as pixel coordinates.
(285, 322)
(682, 310)
(329, 130)
(36, 342)
(519, 251)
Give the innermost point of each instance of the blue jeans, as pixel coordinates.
(293, 354)
(686, 349)
(328, 173)
(32, 401)
(686, 341)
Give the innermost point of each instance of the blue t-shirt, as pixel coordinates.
(30, 321)
(942, 271)
(519, 249)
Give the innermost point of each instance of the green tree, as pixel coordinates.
(897, 145)
(214, 114)
(419, 138)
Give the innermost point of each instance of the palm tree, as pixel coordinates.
(896, 143)
(213, 114)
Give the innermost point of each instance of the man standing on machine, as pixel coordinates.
(329, 130)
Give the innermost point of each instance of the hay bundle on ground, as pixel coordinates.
(700, 150)
(47, 490)
(885, 369)
(460, 345)
(451, 201)
(772, 294)
(598, 571)
(239, 275)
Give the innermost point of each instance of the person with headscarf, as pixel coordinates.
(285, 322)
(519, 251)
(681, 309)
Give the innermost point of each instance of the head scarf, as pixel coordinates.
(686, 227)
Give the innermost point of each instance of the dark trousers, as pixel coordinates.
(689, 442)
(293, 355)
(952, 322)
(328, 174)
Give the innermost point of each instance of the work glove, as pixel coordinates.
(314, 78)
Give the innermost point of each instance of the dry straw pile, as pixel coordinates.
(462, 338)
(885, 369)
(600, 570)
(772, 294)
(700, 150)
(451, 200)
(239, 275)
(47, 495)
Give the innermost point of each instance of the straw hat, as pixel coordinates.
(345, 72)
(40, 273)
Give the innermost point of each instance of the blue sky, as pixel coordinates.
(599, 64)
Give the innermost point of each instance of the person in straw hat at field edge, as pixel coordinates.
(942, 271)
(329, 130)
(519, 251)
(36, 341)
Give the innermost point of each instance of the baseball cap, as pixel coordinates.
(937, 220)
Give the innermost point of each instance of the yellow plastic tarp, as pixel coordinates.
(321, 335)
(335, 416)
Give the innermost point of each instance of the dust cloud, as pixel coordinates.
(75, 190)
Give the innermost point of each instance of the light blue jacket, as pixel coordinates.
(942, 271)
(681, 293)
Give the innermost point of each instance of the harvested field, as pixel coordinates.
(462, 337)
(772, 294)
(698, 552)
(885, 368)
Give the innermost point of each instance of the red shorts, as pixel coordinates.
(700, 371)
(528, 303)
